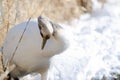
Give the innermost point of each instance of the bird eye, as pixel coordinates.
(47, 36)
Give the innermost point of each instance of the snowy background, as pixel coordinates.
(96, 54)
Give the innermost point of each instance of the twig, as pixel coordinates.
(8, 70)
(20, 40)
(1, 63)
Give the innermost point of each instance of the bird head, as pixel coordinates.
(46, 29)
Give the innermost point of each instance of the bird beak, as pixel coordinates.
(43, 43)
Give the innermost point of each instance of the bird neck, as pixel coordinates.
(63, 38)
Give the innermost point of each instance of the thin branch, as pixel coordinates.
(20, 40)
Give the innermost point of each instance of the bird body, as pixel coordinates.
(29, 56)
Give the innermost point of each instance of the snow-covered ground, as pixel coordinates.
(96, 54)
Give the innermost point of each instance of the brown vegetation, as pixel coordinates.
(13, 12)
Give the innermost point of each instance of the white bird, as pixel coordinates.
(41, 40)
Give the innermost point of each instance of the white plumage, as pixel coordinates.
(29, 56)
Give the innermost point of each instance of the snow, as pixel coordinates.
(96, 54)
(98, 35)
